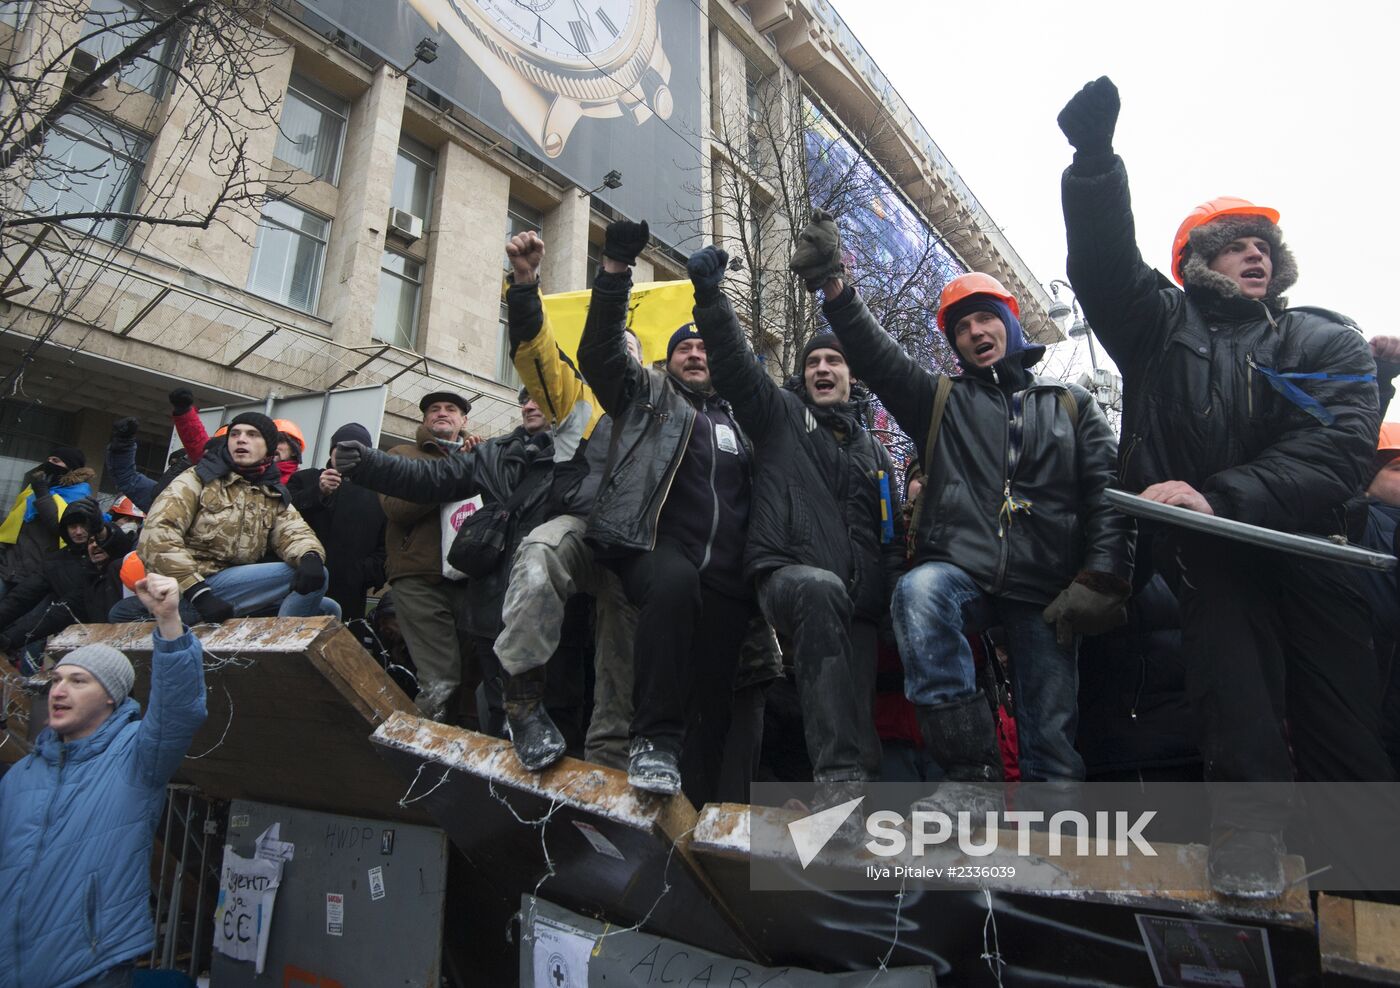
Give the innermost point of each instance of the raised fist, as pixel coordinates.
(1089, 118)
(624, 240)
(526, 253)
(818, 256)
(706, 269)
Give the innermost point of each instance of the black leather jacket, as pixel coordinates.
(653, 416)
(494, 469)
(1198, 406)
(816, 487)
(1056, 471)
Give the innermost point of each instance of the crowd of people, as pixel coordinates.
(685, 569)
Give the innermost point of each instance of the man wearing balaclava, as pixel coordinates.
(1013, 530)
(1237, 406)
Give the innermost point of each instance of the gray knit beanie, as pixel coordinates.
(108, 666)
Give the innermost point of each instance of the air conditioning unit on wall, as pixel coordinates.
(405, 224)
(84, 64)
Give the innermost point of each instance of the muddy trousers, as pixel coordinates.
(834, 661)
(552, 564)
(1278, 653)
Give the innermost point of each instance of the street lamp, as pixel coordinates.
(1060, 311)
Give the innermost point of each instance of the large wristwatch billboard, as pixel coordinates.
(590, 86)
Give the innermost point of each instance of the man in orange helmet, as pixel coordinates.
(1014, 529)
(1237, 406)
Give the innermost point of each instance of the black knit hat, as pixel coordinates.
(262, 423)
(71, 456)
(821, 341)
(352, 431)
(686, 332)
(86, 512)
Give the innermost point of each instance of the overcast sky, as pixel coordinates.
(1291, 105)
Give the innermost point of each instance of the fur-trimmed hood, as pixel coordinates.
(1209, 239)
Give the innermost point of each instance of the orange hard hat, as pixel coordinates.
(124, 506)
(289, 429)
(1389, 445)
(222, 431)
(1207, 211)
(973, 283)
(132, 570)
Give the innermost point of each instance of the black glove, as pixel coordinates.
(123, 429)
(818, 255)
(40, 478)
(624, 240)
(1089, 117)
(212, 608)
(1092, 604)
(310, 575)
(181, 401)
(706, 268)
(348, 455)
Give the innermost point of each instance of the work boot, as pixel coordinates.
(851, 833)
(1246, 864)
(653, 767)
(432, 700)
(961, 737)
(538, 742)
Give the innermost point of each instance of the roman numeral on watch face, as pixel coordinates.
(606, 21)
(584, 39)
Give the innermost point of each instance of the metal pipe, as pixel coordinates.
(164, 858)
(172, 923)
(193, 970)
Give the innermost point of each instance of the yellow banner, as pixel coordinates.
(657, 309)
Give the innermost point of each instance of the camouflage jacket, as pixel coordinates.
(197, 528)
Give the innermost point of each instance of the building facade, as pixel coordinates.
(395, 172)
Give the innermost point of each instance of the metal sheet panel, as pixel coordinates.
(391, 941)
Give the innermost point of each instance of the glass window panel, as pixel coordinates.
(13, 12)
(312, 129)
(520, 216)
(505, 370)
(413, 178)
(111, 25)
(400, 290)
(88, 165)
(289, 255)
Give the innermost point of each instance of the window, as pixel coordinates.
(753, 84)
(88, 165)
(14, 12)
(289, 255)
(413, 178)
(400, 288)
(520, 216)
(111, 26)
(312, 132)
(595, 259)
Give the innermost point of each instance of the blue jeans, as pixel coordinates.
(252, 588)
(933, 607)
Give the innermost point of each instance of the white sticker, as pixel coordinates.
(725, 439)
(376, 883)
(335, 914)
(269, 847)
(561, 955)
(600, 843)
(238, 820)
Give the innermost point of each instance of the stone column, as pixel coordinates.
(350, 287)
(565, 235)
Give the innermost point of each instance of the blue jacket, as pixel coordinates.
(77, 827)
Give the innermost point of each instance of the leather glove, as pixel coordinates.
(123, 429)
(706, 268)
(348, 455)
(181, 401)
(1092, 604)
(624, 240)
(1090, 116)
(818, 255)
(310, 575)
(212, 608)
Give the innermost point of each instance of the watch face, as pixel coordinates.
(573, 32)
